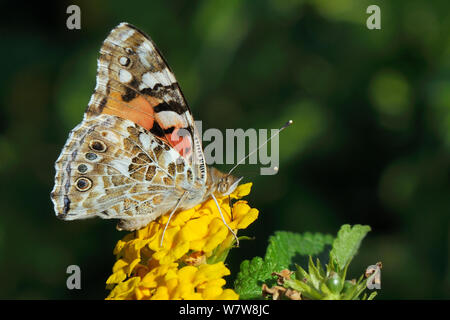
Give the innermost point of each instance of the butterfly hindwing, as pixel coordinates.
(113, 168)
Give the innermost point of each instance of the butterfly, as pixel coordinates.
(137, 153)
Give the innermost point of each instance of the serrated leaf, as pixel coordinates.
(347, 243)
(250, 278)
(283, 246)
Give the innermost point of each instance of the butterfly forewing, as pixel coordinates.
(134, 82)
(137, 150)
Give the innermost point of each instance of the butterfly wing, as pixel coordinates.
(134, 82)
(112, 168)
(137, 149)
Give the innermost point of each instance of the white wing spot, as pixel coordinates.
(151, 79)
(145, 141)
(125, 76)
(124, 34)
(124, 61)
(170, 119)
(148, 81)
(171, 76)
(143, 53)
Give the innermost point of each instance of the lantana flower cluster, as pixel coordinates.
(190, 263)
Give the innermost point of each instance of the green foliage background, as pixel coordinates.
(370, 144)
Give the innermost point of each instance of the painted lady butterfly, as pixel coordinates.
(137, 154)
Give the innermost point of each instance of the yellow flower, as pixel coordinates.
(189, 264)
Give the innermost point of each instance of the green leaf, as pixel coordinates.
(283, 246)
(315, 277)
(372, 295)
(306, 290)
(322, 272)
(347, 243)
(301, 273)
(325, 290)
(250, 277)
(361, 286)
(353, 292)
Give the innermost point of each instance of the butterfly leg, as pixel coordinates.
(183, 196)
(231, 208)
(223, 219)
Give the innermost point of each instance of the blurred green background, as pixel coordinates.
(370, 143)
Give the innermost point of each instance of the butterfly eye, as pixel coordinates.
(97, 145)
(83, 184)
(223, 186)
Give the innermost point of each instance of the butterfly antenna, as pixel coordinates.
(287, 124)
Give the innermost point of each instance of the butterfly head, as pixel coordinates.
(224, 184)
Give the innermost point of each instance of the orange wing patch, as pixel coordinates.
(139, 110)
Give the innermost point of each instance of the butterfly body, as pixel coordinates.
(137, 154)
